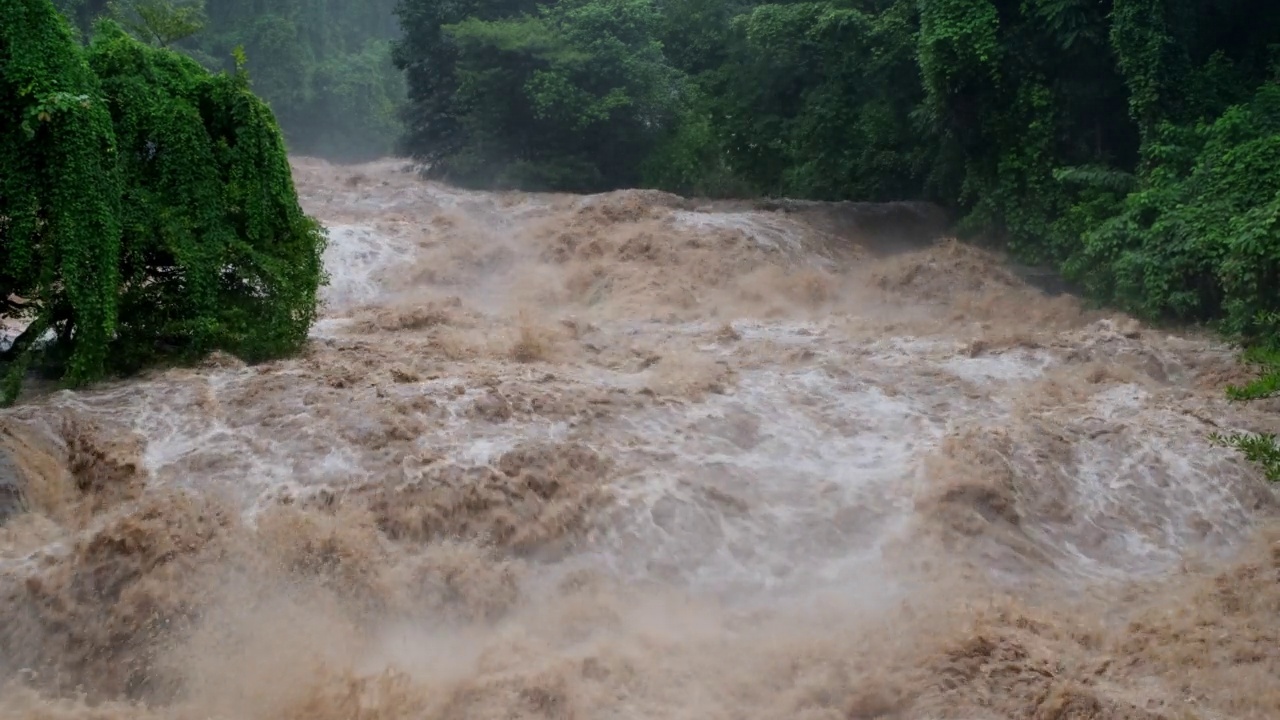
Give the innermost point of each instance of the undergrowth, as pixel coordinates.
(1259, 448)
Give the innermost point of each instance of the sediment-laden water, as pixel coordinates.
(633, 456)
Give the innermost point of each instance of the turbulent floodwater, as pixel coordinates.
(629, 456)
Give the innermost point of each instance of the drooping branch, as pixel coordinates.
(131, 179)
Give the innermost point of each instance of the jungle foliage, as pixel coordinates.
(568, 95)
(1129, 142)
(1133, 144)
(323, 66)
(147, 208)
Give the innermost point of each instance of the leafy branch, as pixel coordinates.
(159, 22)
(1256, 448)
(1260, 448)
(147, 208)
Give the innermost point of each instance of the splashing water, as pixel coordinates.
(623, 456)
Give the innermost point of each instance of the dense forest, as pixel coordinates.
(323, 66)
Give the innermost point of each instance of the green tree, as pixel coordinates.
(159, 22)
(59, 195)
(571, 95)
(818, 99)
(428, 56)
(147, 209)
(323, 66)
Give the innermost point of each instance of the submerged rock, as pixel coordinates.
(12, 501)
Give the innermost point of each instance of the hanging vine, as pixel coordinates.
(216, 251)
(147, 209)
(59, 195)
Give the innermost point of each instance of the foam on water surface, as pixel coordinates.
(611, 457)
(357, 260)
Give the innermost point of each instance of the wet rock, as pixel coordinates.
(12, 501)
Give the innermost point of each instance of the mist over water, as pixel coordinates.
(634, 456)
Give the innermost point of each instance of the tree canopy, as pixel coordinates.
(323, 66)
(146, 207)
(568, 95)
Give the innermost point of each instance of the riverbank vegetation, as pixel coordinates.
(1130, 144)
(147, 210)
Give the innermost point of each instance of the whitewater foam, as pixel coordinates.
(612, 456)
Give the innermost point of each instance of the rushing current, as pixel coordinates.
(632, 456)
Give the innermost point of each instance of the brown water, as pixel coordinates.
(626, 456)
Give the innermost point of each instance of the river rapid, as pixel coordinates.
(632, 456)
